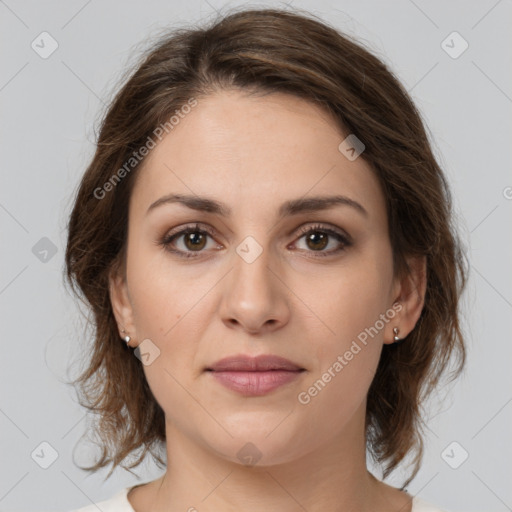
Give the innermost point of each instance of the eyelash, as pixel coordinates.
(196, 228)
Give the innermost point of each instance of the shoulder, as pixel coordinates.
(420, 505)
(117, 503)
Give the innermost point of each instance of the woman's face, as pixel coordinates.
(249, 280)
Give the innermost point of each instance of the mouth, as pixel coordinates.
(254, 376)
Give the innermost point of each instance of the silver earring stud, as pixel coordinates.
(127, 339)
(395, 332)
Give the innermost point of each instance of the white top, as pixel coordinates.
(119, 503)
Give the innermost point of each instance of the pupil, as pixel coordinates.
(194, 240)
(321, 239)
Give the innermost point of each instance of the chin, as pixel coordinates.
(255, 447)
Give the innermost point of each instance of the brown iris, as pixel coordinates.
(196, 241)
(319, 240)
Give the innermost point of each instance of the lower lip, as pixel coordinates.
(255, 383)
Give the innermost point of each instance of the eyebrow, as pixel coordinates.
(291, 207)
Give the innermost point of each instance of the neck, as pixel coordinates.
(332, 476)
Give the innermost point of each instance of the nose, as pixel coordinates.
(255, 298)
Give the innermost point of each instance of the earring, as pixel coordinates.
(126, 338)
(395, 332)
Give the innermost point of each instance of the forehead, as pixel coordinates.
(253, 150)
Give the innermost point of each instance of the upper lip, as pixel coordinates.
(262, 363)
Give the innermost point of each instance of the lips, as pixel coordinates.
(262, 363)
(254, 376)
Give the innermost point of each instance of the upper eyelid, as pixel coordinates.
(301, 230)
(343, 238)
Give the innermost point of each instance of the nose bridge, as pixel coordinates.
(252, 296)
(251, 276)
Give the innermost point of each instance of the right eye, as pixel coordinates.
(193, 240)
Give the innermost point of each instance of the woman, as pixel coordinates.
(265, 240)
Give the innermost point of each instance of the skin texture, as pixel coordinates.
(253, 153)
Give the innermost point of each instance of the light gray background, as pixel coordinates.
(49, 109)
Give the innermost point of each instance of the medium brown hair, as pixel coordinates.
(267, 51)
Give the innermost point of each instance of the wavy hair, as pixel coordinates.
(270, 50)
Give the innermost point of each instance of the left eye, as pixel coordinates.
(318, 237)
(317, 240)
(194, 240)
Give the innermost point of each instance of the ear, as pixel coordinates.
(121, 303)
(409, 293)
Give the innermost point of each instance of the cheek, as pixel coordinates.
(349, 302)
(337, 387)
(350, 306)
(168, 307)
(163, 293)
